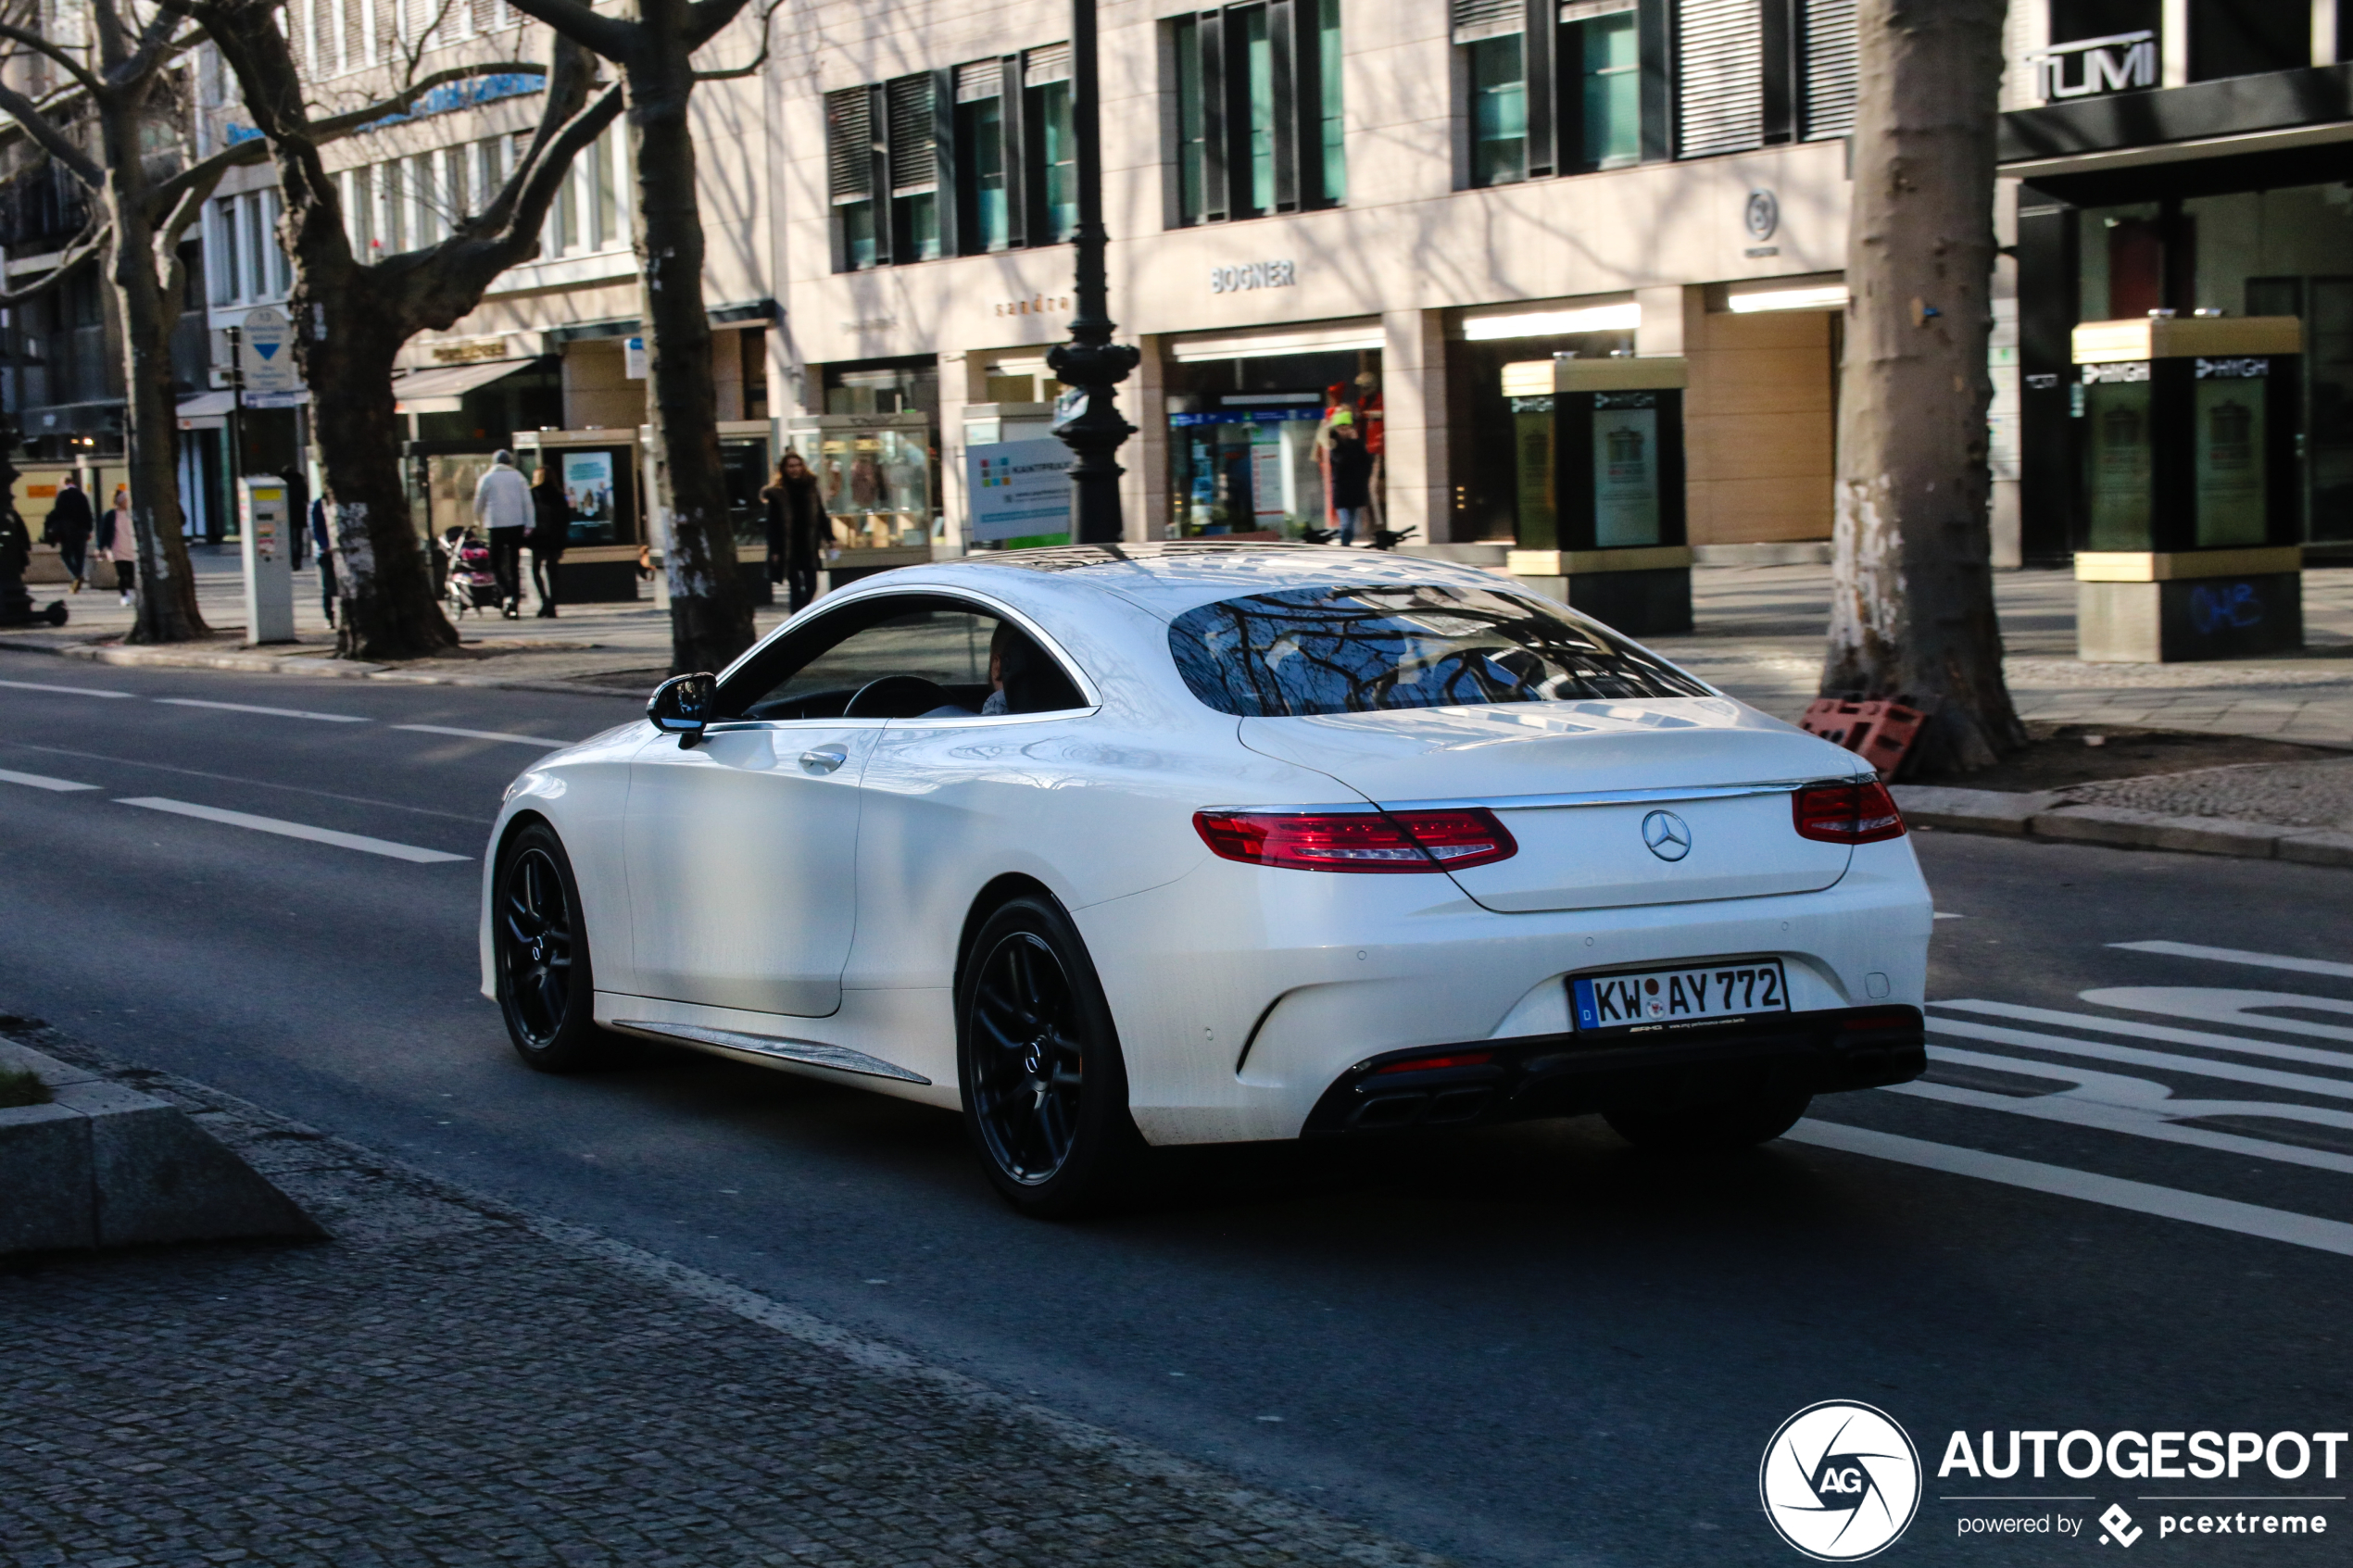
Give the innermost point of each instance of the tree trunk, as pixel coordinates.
(383, 577)
(710, 611)
(1912, 604)
(168, 611)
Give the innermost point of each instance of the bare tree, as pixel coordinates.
(1912, 607)
(352, 316)
(710, 611)
(100, 126)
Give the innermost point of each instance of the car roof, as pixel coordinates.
(1172, 576)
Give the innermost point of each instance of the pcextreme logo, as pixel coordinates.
(1839, 1481)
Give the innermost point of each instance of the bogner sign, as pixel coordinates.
(2112, 64)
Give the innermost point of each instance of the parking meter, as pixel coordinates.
(265, 511)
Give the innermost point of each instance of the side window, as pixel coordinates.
(895, 660)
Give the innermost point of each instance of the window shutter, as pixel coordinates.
(1475, 19)
(1048, 64)
(850, 146)
(980, 80)
(1719, 60)
(913, 166)
(1831, 79)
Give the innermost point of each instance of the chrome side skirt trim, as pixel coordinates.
(841, 1058)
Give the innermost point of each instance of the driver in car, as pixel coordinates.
(1006, 645)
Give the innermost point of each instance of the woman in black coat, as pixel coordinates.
(796, 521)
(551, 532)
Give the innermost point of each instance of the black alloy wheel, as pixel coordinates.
(540, 949)
(1044, 1086)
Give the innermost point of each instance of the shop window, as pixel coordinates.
(1258, 127)
(984, 216)
(911, 153)
(850, 154)
(1052, 145)
(1601, 56)
(962, 162)
(2244, 37)
(244, 262)
(1499, 111)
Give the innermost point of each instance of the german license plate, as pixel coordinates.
(1686, 994)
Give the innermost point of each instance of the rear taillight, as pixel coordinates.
(1848, 813)
(1357, 841)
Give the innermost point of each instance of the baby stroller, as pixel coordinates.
(470, 584)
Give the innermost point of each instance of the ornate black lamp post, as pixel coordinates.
(1090, 364)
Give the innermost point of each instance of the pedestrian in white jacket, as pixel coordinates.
(502, 505)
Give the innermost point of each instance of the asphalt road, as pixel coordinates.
(1523, 1347)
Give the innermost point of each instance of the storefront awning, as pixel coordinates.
(206, 410)
(442, 389)
(1329, 338)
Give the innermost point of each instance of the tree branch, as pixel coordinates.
(92, 241)
(159, 40)
(40, 45)
(706, 17)
(256, 149)
(53, 141)
(757, 60)
(614, 39)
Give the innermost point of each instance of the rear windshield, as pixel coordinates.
(1366, 649)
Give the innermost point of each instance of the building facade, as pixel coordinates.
(1421, 210)
(2182, 157)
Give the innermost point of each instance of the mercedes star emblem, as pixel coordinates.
(1667, 834)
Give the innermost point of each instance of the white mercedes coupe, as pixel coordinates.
(1188, 843)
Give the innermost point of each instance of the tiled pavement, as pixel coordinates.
(449, 1382)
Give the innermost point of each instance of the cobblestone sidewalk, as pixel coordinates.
(2289, 795)
(449, 1382)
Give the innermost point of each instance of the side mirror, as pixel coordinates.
(681, 706)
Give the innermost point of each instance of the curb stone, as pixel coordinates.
(102, 1165)
(301, 664)
(2045, 815)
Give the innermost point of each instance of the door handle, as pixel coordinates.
(825, 759)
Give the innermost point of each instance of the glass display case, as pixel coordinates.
(875, 473)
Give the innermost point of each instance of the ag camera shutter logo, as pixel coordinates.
(1840, 1481)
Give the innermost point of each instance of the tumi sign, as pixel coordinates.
(2088, 66)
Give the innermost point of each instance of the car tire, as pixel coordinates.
(1703, 1129)
(1043, 1084)
(539, 954)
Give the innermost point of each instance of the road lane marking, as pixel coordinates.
(2240, 955)
(474, 818)
(2215, 1004)
(2314, 1055)
(1947, 914)
(69, 691)
(2060, 1181)
(272, 712)
(2058, 1107)
(481, 735)
(384, 847)
(39, 781)
(2140, 1107)
(2295, 1082)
